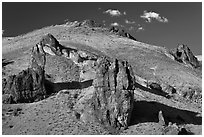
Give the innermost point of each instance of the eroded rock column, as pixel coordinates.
(113, 97)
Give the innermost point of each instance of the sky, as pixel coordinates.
(158, 23)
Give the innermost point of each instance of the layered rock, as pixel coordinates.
(184, 55)
(28, 85)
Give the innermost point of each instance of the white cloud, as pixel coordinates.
(124, 13)
(129, 22)
(114, 24)
(114, 12)
(153, 15)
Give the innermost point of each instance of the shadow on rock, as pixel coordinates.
(144, 111)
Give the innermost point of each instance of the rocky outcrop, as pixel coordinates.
(28, 85)
(50, 45)
(104, 86)
(113, 97)
(110, 98)
(121, 32)
(89, 23)
(184, 55)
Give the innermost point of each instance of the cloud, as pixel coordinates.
(129, 22)
(115, 24)
(153, 15)
(114, 12)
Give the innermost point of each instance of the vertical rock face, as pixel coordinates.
(113, 98)
(184, 55)
(28, 85)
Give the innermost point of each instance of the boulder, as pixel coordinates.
(28, 85)
(155, 86)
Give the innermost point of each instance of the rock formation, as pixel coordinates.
(89, 23)
(106, 84)
(28, 85)
(113, 98)
(184, 55)
(50, 44)
(121, 32)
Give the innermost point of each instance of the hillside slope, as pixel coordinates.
(162, 83)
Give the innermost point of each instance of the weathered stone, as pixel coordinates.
(28, 85)
(184, 55)
(50, 41)
(113, 98)
(61, 70)
(171, 129)
(168, 89)
(161, 119)
(155, 86)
